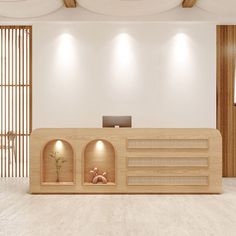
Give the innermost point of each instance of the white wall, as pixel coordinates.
(163, 74)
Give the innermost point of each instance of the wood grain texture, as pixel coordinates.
(226, 111)
(70, 3)
(80, 138)
(188, 3)
(99, 154)
(167, 143)
(149, 161)
(15, 96)
(167, 180)
(48, 165)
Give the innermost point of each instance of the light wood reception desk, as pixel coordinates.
(125, 160)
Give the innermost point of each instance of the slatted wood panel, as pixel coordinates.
(226, 110)
(167, 143)
(15, 99)
(152, 160)
(174, 161)
(168, 180)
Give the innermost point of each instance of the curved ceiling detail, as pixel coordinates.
(11, 0)
(220, 7)
(36, 8)
(28, 8)
(129, 7)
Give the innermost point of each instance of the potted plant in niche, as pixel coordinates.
(59, 160)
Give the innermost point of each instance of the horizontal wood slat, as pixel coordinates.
(166, 161)
(167, 143)
(167, 180)
(167, 171)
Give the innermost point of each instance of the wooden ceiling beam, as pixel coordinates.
(70, 3)
(188, 3)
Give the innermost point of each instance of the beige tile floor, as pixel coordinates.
(92, 215)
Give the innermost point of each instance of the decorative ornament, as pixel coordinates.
(98, 177)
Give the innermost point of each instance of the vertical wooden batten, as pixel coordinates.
(19, 100)
(15, 99)
(15, 93)
(70, 3)
(8, 81)
(5, 100)
(226, 109)
(188, 3)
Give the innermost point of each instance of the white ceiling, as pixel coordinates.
(219, 7)
(28, 8)
(129, 7)
(36, 8)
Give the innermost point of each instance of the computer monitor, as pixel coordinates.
(116, 121)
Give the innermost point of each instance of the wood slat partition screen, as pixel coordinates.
(15, 99)
(226, 110)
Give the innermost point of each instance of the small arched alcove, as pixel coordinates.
(57, 163)
(99, 154)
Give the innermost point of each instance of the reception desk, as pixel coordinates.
(125, 160)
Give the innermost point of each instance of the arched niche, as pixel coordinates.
(57, 163)
(99, 153)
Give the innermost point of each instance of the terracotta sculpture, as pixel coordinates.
(98, 177)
